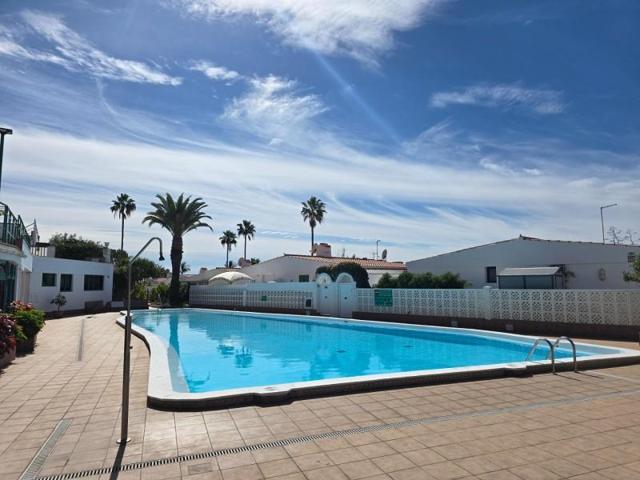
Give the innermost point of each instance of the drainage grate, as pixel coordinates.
(81, 341)
(38, 461)
(326, 435)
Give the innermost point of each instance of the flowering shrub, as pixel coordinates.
(7, 333)
(20, 306)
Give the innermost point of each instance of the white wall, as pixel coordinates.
(584, 260)
(288, 269)
(282, 269)
(41, 296)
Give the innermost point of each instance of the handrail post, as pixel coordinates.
(551, 349)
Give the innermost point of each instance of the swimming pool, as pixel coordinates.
(212, 355)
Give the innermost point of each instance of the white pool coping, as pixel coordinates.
(162, 394)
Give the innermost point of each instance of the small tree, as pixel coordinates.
(59, 301)
(634, 275)
(71, 246)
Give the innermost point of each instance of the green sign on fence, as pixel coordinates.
(383, 297)
(263, 298)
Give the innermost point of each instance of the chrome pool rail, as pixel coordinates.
(551, 351)
(573, 348)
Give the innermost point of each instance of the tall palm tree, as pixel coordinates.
(247, 230)
(228, 239)
(123, 206)
(313, 211)
(178, 216)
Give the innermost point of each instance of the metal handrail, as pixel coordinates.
(12, 229)
(551, 351)
(573, 347)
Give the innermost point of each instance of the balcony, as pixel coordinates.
(13, 231)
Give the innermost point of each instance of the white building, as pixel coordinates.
(515, 264)
(302, 268)
(15, 258)
(87, 285)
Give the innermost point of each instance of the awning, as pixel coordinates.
(529, 272)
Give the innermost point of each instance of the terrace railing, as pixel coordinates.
(13, 230)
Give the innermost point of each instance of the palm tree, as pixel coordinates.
(313, 210)
(123, 206)
(246, 229)
(178, 216)
(228, 239)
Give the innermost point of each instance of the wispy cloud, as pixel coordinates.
(273, 106)
(544, 102)
(75, 53)
(361, 29)
(215, 72)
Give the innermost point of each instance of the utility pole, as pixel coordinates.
(602, 217)
(3, 132)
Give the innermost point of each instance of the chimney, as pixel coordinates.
(203, 269)
(323, 250)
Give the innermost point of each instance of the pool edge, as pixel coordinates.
(160, 393)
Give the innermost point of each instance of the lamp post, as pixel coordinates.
(377, 243)
(3, 132)
(602, 217)
(126, 374)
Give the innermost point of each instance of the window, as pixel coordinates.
(48, 279)
(66, 282)
(631, 257)
(491, 274)
(303, 278)
(94, 282)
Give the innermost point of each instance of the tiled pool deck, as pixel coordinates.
(583, 426)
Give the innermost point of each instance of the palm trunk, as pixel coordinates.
(122, 236)
(312, 242)
(226, 265)
(176, 261)
(245, 247)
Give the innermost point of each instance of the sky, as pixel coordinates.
(429, 125)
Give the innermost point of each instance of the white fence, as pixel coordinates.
(590, 307)
(294, 296)
(593, 307)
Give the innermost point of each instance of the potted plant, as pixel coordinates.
(59, 301)
(29, 321)
(7, 340)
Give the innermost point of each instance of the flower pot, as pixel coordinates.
(28, 346)
(7, 358)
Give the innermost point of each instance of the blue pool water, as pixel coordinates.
(212, 351)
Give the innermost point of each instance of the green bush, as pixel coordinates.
(29, 321)
(354, 269)
(421, 280)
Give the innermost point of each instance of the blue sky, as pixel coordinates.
(427, 124)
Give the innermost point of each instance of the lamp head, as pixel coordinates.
(5, 131)
(161, 259)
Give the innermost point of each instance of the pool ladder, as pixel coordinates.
(552, 351)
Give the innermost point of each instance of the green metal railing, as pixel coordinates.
(13, 229)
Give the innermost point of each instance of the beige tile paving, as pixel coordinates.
(512, 436)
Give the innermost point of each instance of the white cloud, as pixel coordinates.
(75, 53)
(273, 106)
(544, 102)
(362, 29)
(215, 72)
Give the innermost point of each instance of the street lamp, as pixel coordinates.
(3, 132)
(126, 374)
(602, 217)
(377, 243)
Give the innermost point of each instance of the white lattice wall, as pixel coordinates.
(430, 302)
(594, 307)
(240, 297)
(205, 295)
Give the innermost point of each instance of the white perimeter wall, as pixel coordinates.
(583, 259)
(41, 296)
